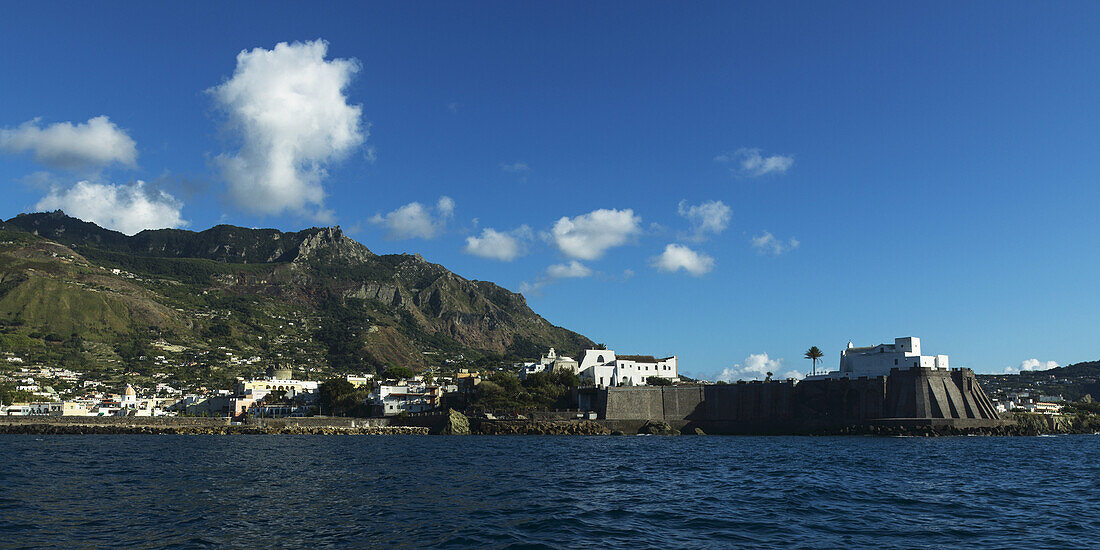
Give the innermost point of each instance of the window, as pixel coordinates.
(895, 361)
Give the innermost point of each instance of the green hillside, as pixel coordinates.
(199, 304)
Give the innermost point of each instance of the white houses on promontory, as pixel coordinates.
(875, 361)
(602, 368)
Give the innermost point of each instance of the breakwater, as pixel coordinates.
(542, 427)
(42, 428)
(454, 423)
(61, 425)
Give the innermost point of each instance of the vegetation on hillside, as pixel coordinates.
(209, 306)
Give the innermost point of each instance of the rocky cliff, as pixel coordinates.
(314, 296)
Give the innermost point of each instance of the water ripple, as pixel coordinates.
(548, 492)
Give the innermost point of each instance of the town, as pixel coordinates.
(43, 390)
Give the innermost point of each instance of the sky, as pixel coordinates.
(727, 182)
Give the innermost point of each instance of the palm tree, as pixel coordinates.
(814, 354)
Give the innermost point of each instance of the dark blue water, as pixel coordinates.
(552, 492)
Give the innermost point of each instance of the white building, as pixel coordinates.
(58, 408)
(602, 368)
(128, 399)
(549, 362)
(359, 381)
(411, 398)
(875, 361)
(15, 409)
(1042, 407)
(282, 380)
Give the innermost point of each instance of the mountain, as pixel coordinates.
(74, 292)
(1072, 382)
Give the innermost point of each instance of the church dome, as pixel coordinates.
(129, 391)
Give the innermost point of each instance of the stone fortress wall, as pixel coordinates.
(915, 396)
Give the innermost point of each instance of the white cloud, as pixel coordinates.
(573, 269)
(534, 288)
(589, 236)
(497, 245)
(63, 145)
(445, 206)
(515, 167)
(678, 256)
(1031, 365)
(416, 220)
(708, 218)
(750, 162)
(756, 367)
(554, 273)
(767, 243)
(289, 108)
(126, 208)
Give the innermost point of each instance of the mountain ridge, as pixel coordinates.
(362, 311)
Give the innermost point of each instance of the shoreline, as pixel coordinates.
(90, 429)
(456, 424)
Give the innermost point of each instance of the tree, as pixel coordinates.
(658, 381)
(9, 395)
(398, 373)
(814, 355)
(338, 397)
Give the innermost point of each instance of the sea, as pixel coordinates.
(282, 491)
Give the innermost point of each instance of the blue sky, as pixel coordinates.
(935, 163)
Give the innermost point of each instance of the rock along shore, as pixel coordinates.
(86, 429)
(455, 423)
(543, 427)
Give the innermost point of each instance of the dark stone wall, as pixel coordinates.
(636, 402)
(909, 396)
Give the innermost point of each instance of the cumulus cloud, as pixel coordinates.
(751, 162)
(589, 236)
(1031, 365)
(288, 106)
(126, 208)
(416, 220)
(708, 218)
(767, 243)
(756, 367)
(498, 245)
(63, 145)
(678, 256)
